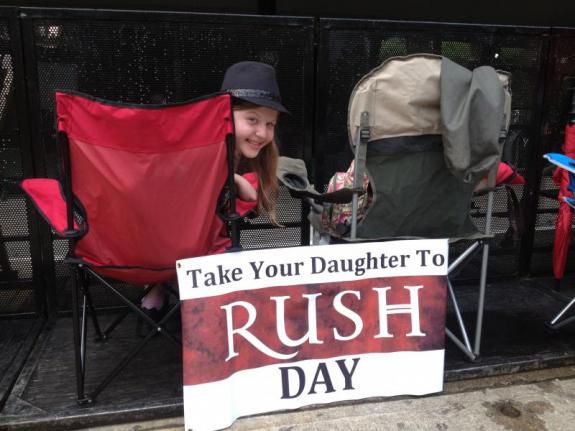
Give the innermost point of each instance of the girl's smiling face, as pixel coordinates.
(255, 128)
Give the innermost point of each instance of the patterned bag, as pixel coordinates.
(336, 218)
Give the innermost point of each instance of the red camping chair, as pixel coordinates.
(141, 189)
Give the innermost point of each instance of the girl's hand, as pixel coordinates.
(244, 189)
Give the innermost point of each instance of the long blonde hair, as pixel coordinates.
(265, 166)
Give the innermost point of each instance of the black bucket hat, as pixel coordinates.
(254, 82)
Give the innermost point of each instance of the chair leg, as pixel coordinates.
(156, 329)
(484, 263)
(100, 336)
(474, 354)
(125, 361)
(167, 317)
(463, 329)
(481, 299)
(462, 343)
(459, 344)
(557, 323)
(79, 329)
(121, 316)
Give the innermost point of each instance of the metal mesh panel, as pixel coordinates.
(500, 224)
(10, 158)
(60, 250)
(289, 210)
(7, 75)
(16, 268)
(132, 58)
(16, 301)
(270, 238)
(558, 92)
(19, 252)
(548, 206)
(156, 62)
(350, 49)
(13, 210)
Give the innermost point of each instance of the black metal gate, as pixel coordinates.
(145, 57)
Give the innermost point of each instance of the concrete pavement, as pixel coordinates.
(530, 401)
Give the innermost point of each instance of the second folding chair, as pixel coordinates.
(426, 131)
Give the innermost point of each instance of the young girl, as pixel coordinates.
(256, 106)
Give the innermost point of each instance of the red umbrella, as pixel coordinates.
(565, 214)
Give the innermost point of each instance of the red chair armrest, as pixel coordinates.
(48, 198)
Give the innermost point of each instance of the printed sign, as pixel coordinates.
(279, 329)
